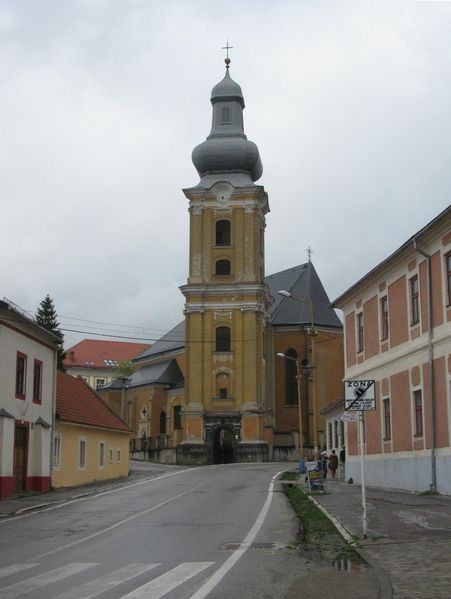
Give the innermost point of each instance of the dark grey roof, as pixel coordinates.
(5, 414)
(172, 341)
(162, 373)
(303, 282)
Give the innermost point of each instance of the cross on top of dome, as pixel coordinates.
(227, 59)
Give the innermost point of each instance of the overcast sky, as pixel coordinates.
(102, 102)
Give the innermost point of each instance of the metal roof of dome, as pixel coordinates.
(226, 89)
(227, 154)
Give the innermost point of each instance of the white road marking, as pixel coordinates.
(42, 580)
(167, 582)
(14, 568)
(106, 582)
(216, 578)
(94, 496)
(120, 523)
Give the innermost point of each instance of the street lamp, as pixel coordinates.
(312, 332)
(298, 378)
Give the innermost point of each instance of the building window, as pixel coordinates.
(360, 339)
(177, 417)
(21, 373)
(119, 456)
(387, 419)
(225, 116)
(335, 434)
(82, 454)
(329, 435)
(37, 381)
(223, 385)
(414, 301)
(384, 318)
(111, 455)
(223, 267)
(223, 229)
(100, 383)
(448, 276)
(163, 423)
(102, 454)
(223, 339)
(418, 407)
(57, 450)
(291, 381)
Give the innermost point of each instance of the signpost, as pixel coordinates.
(360, 397)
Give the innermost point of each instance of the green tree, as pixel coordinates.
(124, 369)
(46, 316)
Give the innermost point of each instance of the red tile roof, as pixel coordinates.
(76, 402)
(102, 354)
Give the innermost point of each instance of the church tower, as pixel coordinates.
(227, 300)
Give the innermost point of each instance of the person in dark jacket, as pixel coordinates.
(333, 463)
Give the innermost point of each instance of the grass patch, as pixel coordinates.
(318, 532)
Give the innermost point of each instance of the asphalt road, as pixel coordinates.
(219, 531)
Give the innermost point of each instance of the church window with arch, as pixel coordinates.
(223, 339)
(223, 267)
(162, 423)
(223, 232)
(291, 383)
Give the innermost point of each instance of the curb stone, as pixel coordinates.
(386, 590)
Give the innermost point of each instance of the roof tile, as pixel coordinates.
(76, 402)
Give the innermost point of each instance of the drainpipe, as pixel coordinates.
(431, 368)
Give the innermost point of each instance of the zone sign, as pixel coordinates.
(359, 395)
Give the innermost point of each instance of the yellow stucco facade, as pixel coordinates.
(83, 454)
(226, 312)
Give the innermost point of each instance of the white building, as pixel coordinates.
(27, 399)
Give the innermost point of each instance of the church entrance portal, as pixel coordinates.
(223, 446)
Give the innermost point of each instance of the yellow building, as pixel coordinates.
(212, 390)
(90, 443)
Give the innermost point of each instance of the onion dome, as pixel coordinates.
(227, 154)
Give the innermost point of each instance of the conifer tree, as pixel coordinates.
(46, 316)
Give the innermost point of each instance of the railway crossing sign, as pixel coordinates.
(360, 395)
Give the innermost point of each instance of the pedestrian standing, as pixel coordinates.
(333, 463)
(324, 463)
(342, 462)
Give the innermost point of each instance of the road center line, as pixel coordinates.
(113, 526)
(214, 580)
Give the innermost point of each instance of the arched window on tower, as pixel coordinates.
(223, 339)
(223, 229)
(291, 383)
(223, 267)
(162, 423)
(226, 118)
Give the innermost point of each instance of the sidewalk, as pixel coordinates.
(408, 536)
